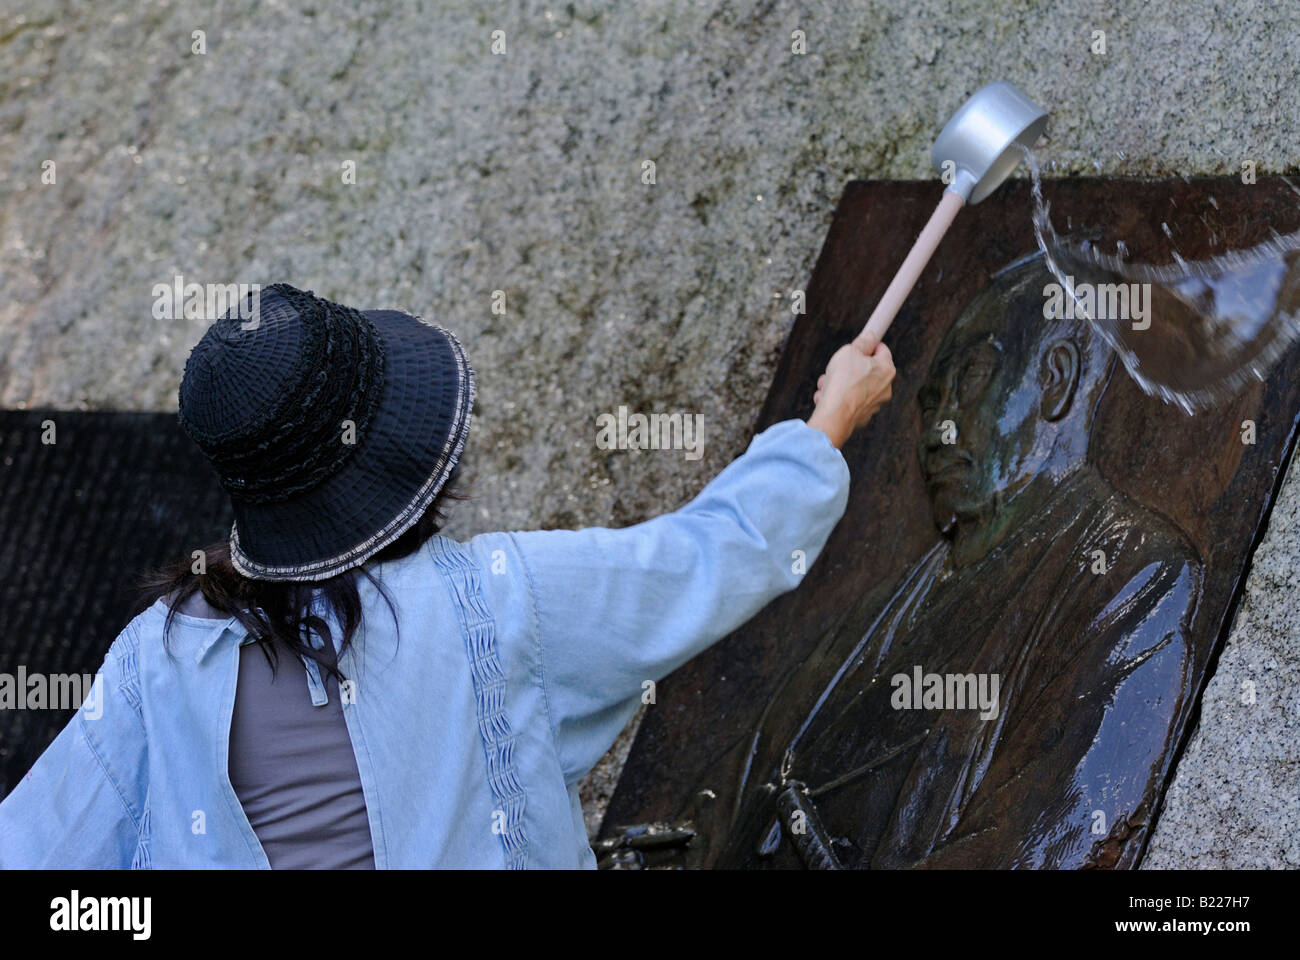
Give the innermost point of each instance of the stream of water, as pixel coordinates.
(1209, 327)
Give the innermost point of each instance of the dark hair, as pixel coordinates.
(278, 613)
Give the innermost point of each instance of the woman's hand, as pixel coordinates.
(855, 385)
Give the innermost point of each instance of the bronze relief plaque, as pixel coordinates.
(999, 655)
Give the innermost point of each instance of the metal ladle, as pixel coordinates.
(975, 152)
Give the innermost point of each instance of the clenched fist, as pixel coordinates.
(856, 384)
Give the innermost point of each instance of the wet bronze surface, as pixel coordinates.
(980, 558)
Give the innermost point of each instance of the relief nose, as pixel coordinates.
(941, 431)
(933, 429)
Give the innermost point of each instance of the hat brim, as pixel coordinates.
(413, 441)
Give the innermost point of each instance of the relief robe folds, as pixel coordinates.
(1094, 669)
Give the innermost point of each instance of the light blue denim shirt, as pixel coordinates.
(520, 658)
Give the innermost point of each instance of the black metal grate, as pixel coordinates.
(80, 520)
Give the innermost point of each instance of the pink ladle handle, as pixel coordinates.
(917, 258)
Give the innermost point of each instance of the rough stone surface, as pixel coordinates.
(523, 173)
(1233, 801)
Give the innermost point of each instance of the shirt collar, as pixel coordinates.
(214, 634)
(198, 634)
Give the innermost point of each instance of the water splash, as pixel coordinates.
(1211, 326)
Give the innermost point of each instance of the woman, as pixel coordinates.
(341, 686)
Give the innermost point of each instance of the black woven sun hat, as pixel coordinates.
(332, 429)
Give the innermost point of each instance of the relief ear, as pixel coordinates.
(1060, 377)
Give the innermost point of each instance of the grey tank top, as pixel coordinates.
(292, 765)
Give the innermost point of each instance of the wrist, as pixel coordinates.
(832, 423)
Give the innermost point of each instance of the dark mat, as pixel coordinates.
(117, 494)
(1182, 498)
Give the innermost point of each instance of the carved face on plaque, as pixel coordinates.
(1045, 584)
(1010, 397)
